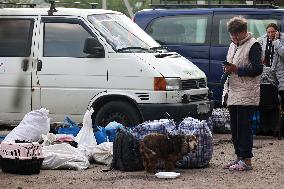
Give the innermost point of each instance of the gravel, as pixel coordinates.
(268, 172)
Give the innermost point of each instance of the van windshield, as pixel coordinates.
(122, 33)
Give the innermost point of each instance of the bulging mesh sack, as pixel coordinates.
(203, 154)
(221, 120)
(162, 126)
(188, 126)
(268, 76)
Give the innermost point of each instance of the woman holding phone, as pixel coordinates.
(242, 90)
(272, 44)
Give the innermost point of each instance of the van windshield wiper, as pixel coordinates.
(163, 55)
(159, 48)
(131, 48)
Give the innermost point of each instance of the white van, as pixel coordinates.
(68, 60)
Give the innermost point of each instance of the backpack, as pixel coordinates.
(126, 154)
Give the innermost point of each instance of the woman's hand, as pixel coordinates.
(277, 35)
(231, 68)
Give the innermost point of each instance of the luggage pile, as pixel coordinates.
(25, 152)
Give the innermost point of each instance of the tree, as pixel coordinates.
(279, 2)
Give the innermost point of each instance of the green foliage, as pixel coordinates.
(118, 5)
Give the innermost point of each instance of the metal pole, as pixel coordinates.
(104, 4)
(129, 9)
(201, 2)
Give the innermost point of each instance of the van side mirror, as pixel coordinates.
(92, 46)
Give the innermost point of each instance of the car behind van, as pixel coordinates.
(200, 34)
(68, 60)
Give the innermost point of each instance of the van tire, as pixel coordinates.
(119, 111)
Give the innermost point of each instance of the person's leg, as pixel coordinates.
(281, 126)
(281, 93)
(244, 138)
(234, 128)
(245, 134)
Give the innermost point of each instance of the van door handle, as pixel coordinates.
(39, 65)
(25, 65)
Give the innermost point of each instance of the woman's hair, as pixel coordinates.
(272, 25)
(237, 24)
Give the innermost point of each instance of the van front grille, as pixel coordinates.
(193, 84)
(194, 98)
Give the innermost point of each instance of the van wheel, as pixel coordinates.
(119, 111)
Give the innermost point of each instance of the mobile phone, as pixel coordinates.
(279, 34)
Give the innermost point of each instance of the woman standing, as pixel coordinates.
(272, 44)
(242, 89)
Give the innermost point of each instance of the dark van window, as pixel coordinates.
(221, 36)
(15, 37)
(64, 40)
(179, 29)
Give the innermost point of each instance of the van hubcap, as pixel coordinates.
(118, 117)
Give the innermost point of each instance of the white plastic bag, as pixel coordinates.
(85, 138)
(48, 139)
(63, 156)
(103, 153)
(33, 125)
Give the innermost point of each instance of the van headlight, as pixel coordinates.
(167, 84)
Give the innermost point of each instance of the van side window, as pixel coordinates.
(221, 36)
(179, 29)
(15, 37)
(258, 26)
(64, 40)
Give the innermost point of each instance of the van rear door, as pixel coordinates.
(16, 57)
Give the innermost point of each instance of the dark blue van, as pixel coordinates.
(200, 34)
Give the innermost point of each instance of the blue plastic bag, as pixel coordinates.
(69, 122)
(111, 133)
(2, 138)
(111, 128)
(101, 135)
(69, 127)
(255, 122)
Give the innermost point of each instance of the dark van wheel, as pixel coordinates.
(119, 111)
